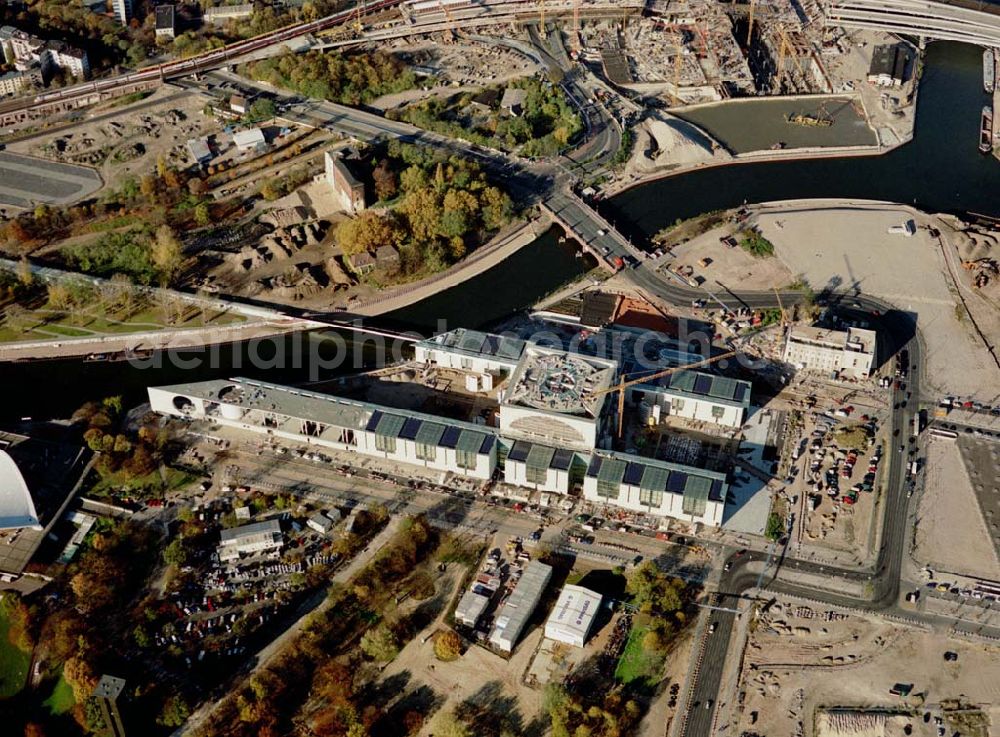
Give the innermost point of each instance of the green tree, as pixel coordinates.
(379, 643)
(260, 110)
(202, 216)
(175, 711)
(423, 212)
(651, 589)
(366, 232)
(384, 177)
(175, 554)
(447, 724)
(58, 296)
(459, 213)
(496, 208)
(413, 178)
(775, 526)
(141, 636)
(24, 274)
(271, 190)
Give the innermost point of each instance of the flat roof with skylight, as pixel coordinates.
(552, 380)
(700, 384)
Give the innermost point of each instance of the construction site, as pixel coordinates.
(684, 52)
(824, 672)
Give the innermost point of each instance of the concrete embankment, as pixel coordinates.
(158, 340)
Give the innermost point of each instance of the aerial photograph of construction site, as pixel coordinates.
(500, 368)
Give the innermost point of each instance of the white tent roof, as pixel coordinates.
(573, 615)
(16, 508)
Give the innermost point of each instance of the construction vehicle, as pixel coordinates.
(812, 121)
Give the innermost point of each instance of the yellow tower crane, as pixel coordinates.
(624, 384)
(784, 50)
(753, 7)
(781, 307)
(447, 14)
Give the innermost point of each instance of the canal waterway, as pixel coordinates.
(940, 170)
(757, 125)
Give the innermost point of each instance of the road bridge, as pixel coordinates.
(589, 228)
(969, 21)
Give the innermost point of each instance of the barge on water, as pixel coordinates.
(986, 131)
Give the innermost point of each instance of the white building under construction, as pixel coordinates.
(541, 421)
(847, 354)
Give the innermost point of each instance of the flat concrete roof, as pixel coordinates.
(521, 603)
(475, 343)
(703, 385)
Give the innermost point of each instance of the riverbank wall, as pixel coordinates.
(482, 259)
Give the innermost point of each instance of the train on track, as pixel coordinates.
(182, 67)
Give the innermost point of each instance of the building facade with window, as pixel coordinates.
(696, 396)
(252, 539)
(848, 354)
(429, 441)
(558, 398)
(539, 467)
(656, 487)
(122, 10)
(471, 350)
(543, 427)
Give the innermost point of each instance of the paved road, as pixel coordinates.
(882, 582)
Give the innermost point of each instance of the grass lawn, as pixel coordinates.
(61, 699)
(14, 662)
(67, 331)
(636, 663)
(94, 325)
(152, 483)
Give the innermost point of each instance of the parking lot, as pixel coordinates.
(25, 181)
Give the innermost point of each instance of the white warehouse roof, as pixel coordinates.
(573, 615)
(17, 510)
(470, 608)
(249, 138)
(514, 614)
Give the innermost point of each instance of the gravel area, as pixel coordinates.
(846, 245)
(798, 666)
(951, 534)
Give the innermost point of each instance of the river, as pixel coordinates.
(940, 170)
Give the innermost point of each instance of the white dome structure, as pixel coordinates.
(16, 508)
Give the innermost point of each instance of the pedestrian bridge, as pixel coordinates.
(969, 21)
